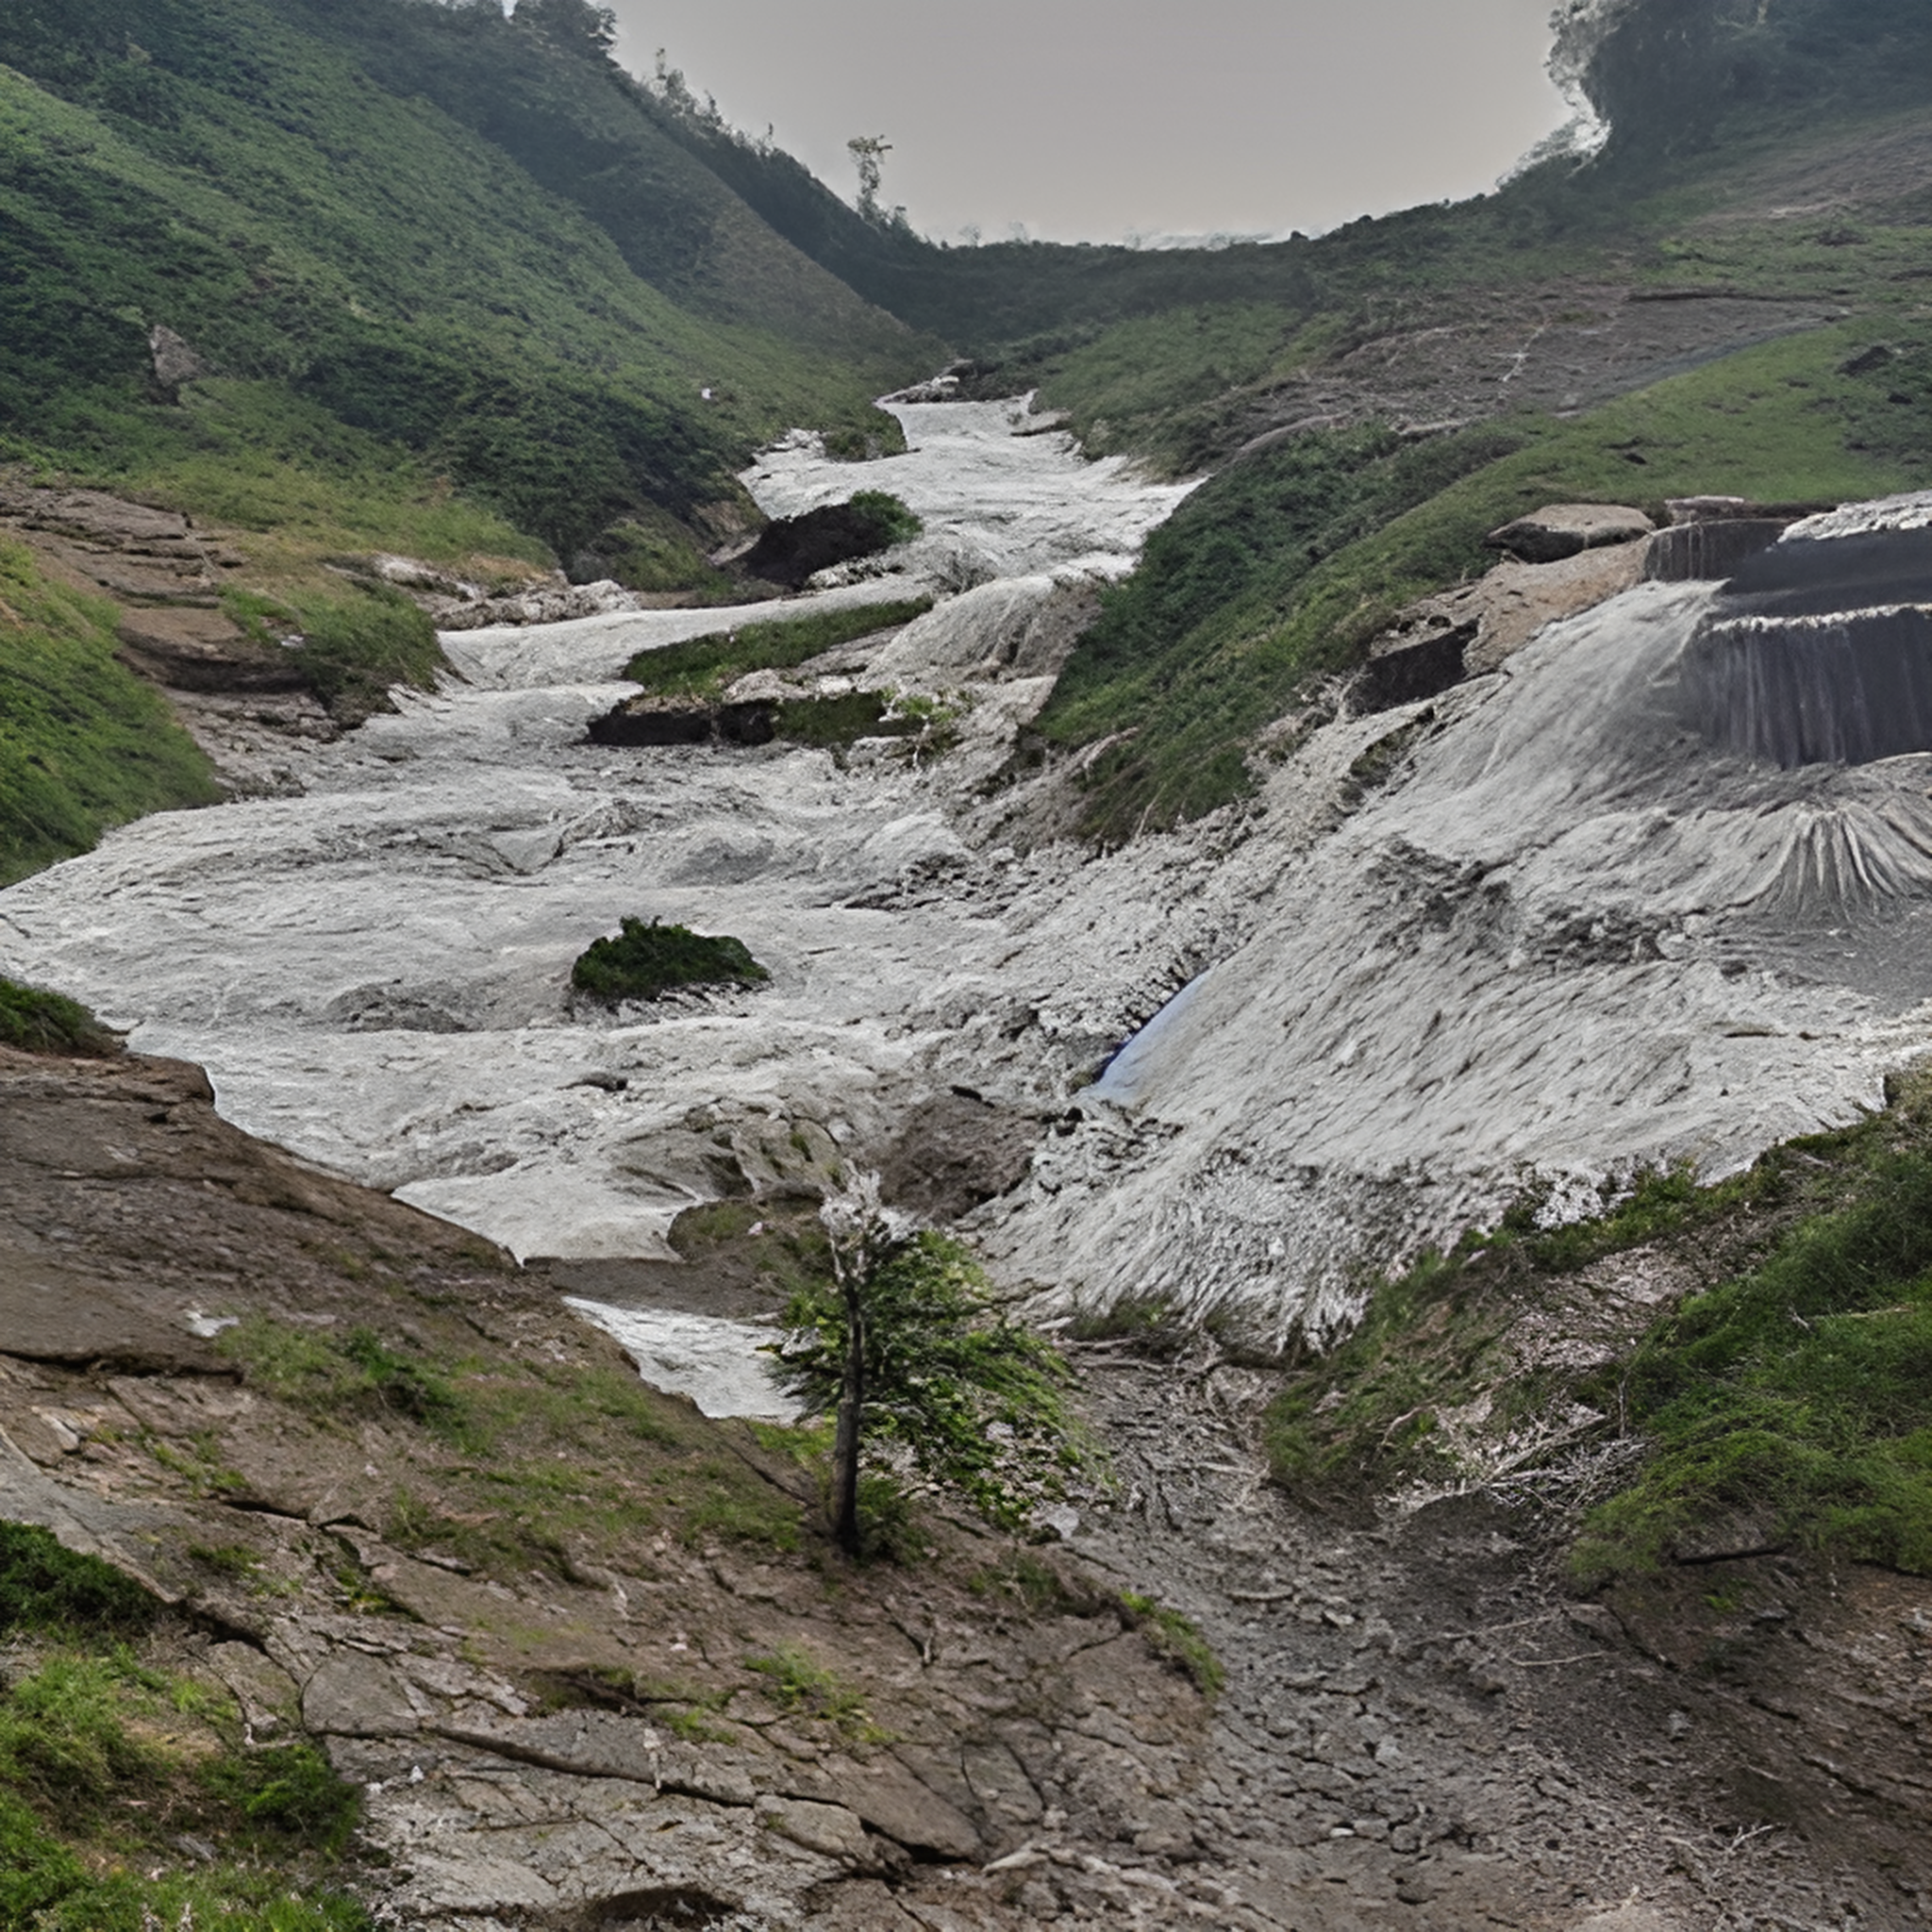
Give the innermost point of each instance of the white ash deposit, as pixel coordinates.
(1535, 923)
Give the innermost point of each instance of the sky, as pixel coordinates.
(1093, 120)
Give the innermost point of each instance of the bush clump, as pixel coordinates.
(48, 1022)
(703, 667)
(44, 1586)
(643, 963)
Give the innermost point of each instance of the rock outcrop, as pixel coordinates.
(1568, 529)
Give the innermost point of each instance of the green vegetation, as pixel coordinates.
(359, 1376)
(838, 724)
(46, 1587)
(1283, 568)
(650, 550)
(1793, 1396)
(1377, 1409)
(906, 1347)
(706, 667)
(504, 1463)
(32, 1021)
(106, 1761)
(798, 1684)
(1798, 1395)
(355, 649)
(84, 743)
(380, 226)
(683, 1710)
(643, 963)
(1178, 1639)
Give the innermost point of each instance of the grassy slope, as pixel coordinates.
(1284, 566)
(1793, 1391)
(248, 184)
(84, 743)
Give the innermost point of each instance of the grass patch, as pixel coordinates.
(353, 650)
(1799, 1394)
(1178, 1639)
(837, 724)
(44, 1887)
(33, 1021)
(84, 745)
(684, 1710)
(358, 1377)
(643, 963)
(1367, 1416)
(46, 1587)
(652, 551)
(798, 1685)
(1795, 1396)
(106, 1763)
(705, 667)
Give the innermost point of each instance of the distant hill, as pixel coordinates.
(452, 232)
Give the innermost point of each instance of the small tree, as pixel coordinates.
(868, 152)
(576, 24)
(906, 1344)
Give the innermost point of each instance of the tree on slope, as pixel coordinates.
(904, 1345)
(575, 24)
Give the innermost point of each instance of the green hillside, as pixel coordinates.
(84, 743)
(231, 170)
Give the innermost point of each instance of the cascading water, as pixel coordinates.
(1819, 650)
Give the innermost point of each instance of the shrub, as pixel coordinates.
(643, 963)
(907, 1346)
(288, 1791)
(44, 1586)
(37, 1021)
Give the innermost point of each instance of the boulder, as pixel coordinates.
(830, 1830)
(175, 361)
(648, 721)
(1566, 529)
(955, 1152)
(887, 1796)
(1421, 662)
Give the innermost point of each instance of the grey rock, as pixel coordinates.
(1000, 1784)
(896, 1805)
(1566, 529)
(356, 1696)
(828, 1829)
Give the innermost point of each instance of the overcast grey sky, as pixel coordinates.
(1090, 119)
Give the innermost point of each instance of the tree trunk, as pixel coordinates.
(845, 1448)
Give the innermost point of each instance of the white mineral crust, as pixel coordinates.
(1534, 925)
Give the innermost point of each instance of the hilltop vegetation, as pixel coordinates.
(454, 284)
(332, 206)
